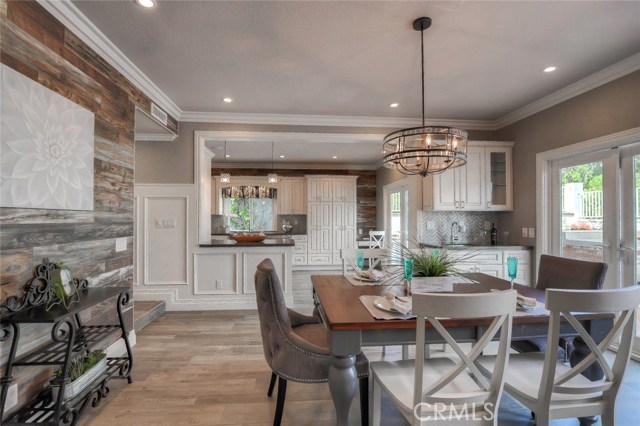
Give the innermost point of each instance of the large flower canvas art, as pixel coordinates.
(46, 145)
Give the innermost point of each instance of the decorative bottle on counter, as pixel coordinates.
(494, 235)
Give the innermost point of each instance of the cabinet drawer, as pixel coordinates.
(524, 257)
(489, 256)
(299, 259)
(300, 248)
(319, 259)
(300, 238)
(493, 270)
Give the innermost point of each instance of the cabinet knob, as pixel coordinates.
(462, 204)
(489, 205)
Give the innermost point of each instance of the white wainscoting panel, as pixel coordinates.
(165, 240)
(215, 273)
(250, 262)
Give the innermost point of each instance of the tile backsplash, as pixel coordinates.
(473, 223)
(299, 222)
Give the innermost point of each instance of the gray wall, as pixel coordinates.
(172, 162)
(608, 109)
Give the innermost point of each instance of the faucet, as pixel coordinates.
(455, 237)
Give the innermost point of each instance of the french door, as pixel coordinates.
(396, 212)
(595, 212)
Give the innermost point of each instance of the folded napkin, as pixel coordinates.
(526, 302)
(402, 306)
(371, 274)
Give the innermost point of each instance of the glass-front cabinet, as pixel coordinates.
(498, 179)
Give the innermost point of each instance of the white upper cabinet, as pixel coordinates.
(320, 189)
(292, 195)
(344, 189)
(499, 175)
(484, 183)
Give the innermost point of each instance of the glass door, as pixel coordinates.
(585, 213)
(629, 250)
(397, 213)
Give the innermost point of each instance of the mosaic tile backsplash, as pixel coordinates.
(473, 224)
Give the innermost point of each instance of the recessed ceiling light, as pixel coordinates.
(282, 156)
(334, 157)
(550, 69)
(227, 100)
(146, 3)
(394, 105)
(228, 155)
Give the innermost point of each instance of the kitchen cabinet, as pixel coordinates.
(493, 261)
(331, 218)
(292, 196)
(300, 250)
(483, 184)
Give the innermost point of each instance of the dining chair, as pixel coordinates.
(296, 346)
(376, 258)
(563, 273)
(550, 388)
(446, 390)
(376, 239)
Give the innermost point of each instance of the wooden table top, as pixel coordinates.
(344, 311)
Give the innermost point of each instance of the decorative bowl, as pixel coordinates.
(248, 238)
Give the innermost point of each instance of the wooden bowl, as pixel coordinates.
(248, 238)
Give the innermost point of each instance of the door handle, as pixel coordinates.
(624, 252)
(462, 204)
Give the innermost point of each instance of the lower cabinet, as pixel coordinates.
(493, 261)
(300, 251)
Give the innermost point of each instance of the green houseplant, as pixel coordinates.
(82, 371)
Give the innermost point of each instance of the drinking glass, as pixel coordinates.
(408, 274)
(512, 268)
(360, 258)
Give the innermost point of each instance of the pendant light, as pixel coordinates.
(273, 176)
(425, 150)
(225, 177)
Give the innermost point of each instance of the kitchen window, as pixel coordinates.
(249, 208)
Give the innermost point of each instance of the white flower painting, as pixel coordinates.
(46, 145)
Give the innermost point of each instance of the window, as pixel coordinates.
(249, 208)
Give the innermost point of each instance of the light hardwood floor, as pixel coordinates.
(208, 368)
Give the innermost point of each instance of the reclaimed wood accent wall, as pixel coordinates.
(365, 190)
(40, 47)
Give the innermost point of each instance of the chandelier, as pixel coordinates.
(425, 150)
(225, 177)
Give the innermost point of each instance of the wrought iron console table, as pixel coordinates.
(70, 338)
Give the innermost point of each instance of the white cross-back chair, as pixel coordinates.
(551, 389)
(449, 391)
(348, 257)
(376, 239)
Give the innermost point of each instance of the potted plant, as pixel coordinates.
(439, 266)
(82, 371)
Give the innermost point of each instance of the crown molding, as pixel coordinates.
(604, 76)
(327, 120)
(152, 137)
(72, 18)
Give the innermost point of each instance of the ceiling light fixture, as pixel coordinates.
(146, 3)
(227, 100)
(334, 157)
(273, 176)
(425, 150)
(225, 177)
(550, 69)
(394, 105)
(282, 156)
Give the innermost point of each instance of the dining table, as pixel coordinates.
(351, 326)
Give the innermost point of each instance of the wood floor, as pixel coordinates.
(208, 368)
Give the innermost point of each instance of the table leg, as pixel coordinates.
(342, 384)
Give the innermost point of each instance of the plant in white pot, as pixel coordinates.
(82, 372)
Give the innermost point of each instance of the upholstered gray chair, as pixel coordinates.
(296, 346)
(568, 274)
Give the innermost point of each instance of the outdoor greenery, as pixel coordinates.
(81, 365)
(588, 174)
(249, 214)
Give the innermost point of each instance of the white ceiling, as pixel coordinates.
(353, 58)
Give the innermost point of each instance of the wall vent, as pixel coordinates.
(159, 114)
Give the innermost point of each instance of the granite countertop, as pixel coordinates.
(269, 242)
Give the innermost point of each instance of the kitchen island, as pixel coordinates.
(224, 270)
